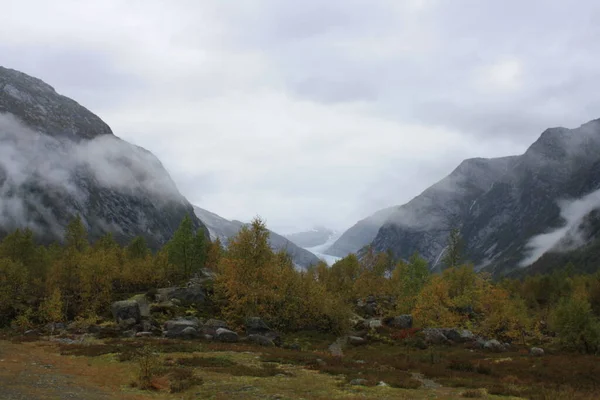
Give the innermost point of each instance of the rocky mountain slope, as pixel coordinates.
(359, 235)
(509, 210)
(311, 238)
(58, 160)
(224, 229)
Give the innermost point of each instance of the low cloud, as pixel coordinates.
(567, 237)
(35, 167)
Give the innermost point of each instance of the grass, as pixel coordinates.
(242, 370)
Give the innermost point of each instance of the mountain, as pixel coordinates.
(312, 238)
(359, 235)
(59, 160)
(224, 229)
(510, 210)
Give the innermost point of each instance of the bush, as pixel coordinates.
(576, 326)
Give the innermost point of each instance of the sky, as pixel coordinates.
(314, 112)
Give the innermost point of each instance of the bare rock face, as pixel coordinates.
(59, 160)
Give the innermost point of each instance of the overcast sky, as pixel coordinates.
(314, 112)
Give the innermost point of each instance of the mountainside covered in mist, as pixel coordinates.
(359, 235)
(311, 238)
(225, 229)
(511, 210)
(59, 160)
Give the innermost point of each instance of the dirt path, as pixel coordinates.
(35, 371)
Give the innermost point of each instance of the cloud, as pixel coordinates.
(568, 236)
(314, 112)
(37, 169)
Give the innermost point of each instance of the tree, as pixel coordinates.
(407, 280)
(138, 248)
(576, 326)
(51, 310)
(183, 249)
(76, 236)
(454, 250)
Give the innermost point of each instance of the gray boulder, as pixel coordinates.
(536, 351)
(177, 328)
(210, 327)
(261, 340)
(494, 345)
(225, 335)
(434, 336)
(126, 310)
(191, 295)
(401, 322)
(358, 382)
(458, 335)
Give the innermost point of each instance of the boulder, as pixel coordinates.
(143, 334)
(374, 323)
(193, 294)
(356, 340)
(494, 345)
(458, 335)
(255, 325)
(210, 327)
(261, 340)
(177, 328)
(401, 322)
(434, 336)
(225, 335)
(536, 351)
(143, 304)
(358, 382)
(126, 310)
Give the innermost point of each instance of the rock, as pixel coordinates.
(375, 323)
(143, 334)
(31, 333)
(357, 322)
(210, 327)
(54, 327)
(163, 307)
(494, 345)
(127, 323)
(143, 304)
(458, 335)
(261, 340)
(189, 333)
(225, 335)
(335, 348)
(479, 343)
(434, 336)
(175, 328)
(320, 362)
(255, 325)
(536, 351)
(126, 310)
(356, 341)
(128, 334)
(358, 382)
(208, 337)
(382, 384)
(401, 322)
(191, 295)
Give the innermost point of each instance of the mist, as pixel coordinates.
(567, 237)
(35, 167)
